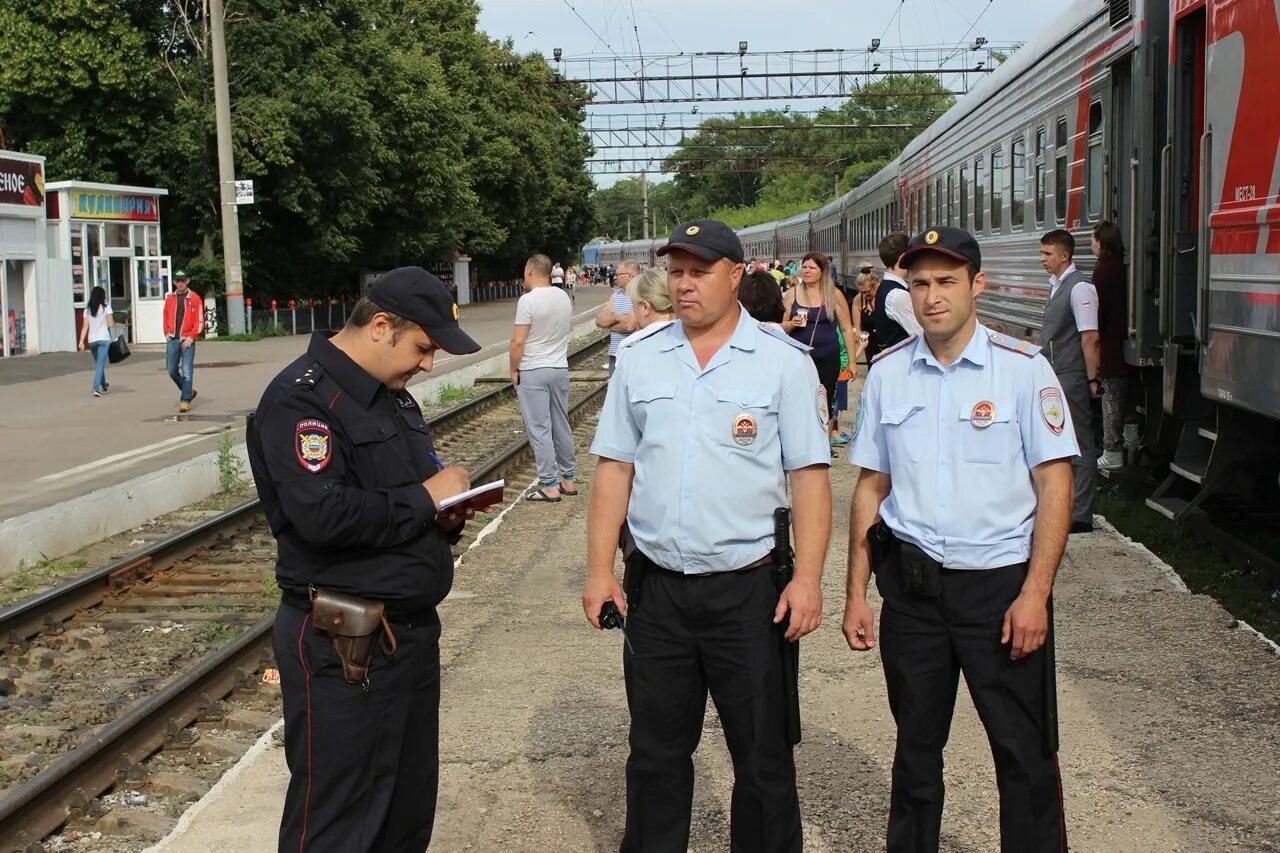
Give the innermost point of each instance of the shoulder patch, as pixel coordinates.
(405, 400)
(648, 331)
(891, 350)
(1013, 344)
(773, 330)
(310, 376)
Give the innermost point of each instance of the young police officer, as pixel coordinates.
(964, 441)
(349, 482)
(704, 420)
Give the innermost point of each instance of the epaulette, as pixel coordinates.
(899, 345)
(1013, 344)
(310, 377)
(773, 330)
(638, 336)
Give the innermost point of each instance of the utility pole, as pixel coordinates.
(226, 174)
(628, 227)
(644, 202)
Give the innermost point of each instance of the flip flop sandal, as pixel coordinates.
(541, 497)
(568, 494)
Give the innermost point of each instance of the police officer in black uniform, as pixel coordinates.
(349, 482)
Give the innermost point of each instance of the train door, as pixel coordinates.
(1183, 178)
(1122, 159)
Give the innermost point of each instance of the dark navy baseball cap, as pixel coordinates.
(955, 243)
(417, 295)
(709, 239)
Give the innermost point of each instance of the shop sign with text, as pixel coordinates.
(21, 182)
(97, 204)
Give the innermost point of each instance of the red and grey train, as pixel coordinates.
(1161, 117)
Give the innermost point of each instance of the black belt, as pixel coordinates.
(766, 560)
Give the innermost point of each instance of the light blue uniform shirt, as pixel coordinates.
(959, 444)
(711, 447)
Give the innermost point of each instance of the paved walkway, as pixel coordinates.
(60, 441)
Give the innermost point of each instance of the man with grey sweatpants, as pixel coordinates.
(540, 372)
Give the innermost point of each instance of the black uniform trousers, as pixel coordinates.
(925, 643)
(363, 763)
(691, 635)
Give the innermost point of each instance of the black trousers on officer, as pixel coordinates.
(925, 643)
(691, 635)
(363, 764)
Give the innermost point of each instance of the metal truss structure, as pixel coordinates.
(752, 136)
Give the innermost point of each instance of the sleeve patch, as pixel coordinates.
(824, 414)
(1052, 410)
(313, 442)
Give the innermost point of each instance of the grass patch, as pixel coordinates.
(452, 395)
(38, 576)
(230, 466)
(214, 635)
(271, 330)
(1246, 594)
(271, 591)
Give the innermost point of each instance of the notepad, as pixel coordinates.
(481, 497)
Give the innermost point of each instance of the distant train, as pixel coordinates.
(1158, 116)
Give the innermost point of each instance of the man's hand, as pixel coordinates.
(605, 318)
(1095, 389)
(598, 590)
(186, 343)
(1026, 622)
(454, 520)
(515, 377)
(804, 600)
(446, 483)
(859, 625)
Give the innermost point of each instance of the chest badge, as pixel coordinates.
(983, 414)
(1052, 410)
(314, 445)
(744, 430)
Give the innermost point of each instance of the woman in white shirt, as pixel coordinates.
(96, 333)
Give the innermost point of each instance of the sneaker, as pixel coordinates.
(1111, 460)
(106, 386)
(184, 407)
(840, 440)
(97, 392)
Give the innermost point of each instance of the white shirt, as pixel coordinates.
(557, 274)
(1084, 300)
(898, 306)
(98, 328)
(547, 312)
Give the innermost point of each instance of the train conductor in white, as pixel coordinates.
(704, 420)
(962, 510)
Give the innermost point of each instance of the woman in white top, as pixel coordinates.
(651, 302)
(96, 333)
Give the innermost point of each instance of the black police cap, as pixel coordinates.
(955, 243)
(709, 239)
(417, 295)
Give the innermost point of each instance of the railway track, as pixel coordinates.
(89, 698)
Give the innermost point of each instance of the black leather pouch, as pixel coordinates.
(921, 574)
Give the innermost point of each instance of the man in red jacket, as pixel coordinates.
(183, 323)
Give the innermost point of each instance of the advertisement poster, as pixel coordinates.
(21, 182)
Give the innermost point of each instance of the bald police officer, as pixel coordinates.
(962, 510)
(703, 422)
(350, 482)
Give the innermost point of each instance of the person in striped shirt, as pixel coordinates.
(618, 316)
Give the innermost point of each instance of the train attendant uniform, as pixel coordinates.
(959, 444)
(1072, 308)
(710, 449)
(340, 461)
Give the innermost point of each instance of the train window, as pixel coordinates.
(1060, 133)
(997, 190)
(1018, 180)
(951, 209)
(937, 200)
(979, 203)
(1040, 176)
(1093, 161)
(1040, 137)
(1060, 188)
(964, 198)
(928, 205)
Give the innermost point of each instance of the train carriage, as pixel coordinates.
(872, 212)
(827, 230)
(791, 240)
(758, 241)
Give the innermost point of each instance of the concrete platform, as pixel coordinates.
(62, 443)
(1169, 736)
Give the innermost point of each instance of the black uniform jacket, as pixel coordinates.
(339, 460)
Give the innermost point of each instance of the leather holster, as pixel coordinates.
(352, 625)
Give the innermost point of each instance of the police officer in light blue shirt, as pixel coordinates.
(962, 510)
(704, 421)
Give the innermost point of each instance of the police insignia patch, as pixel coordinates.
(1052, 410)
(744, 430)
(455, 311)
(931, 237)
(692, 230)
(984, 412)
(824, 414)
(314, 445)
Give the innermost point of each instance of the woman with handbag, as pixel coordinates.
(95, 332)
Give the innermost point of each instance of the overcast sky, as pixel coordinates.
(674, 26)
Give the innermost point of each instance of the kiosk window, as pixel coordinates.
(118, 236)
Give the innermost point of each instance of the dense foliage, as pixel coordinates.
(377, 132)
